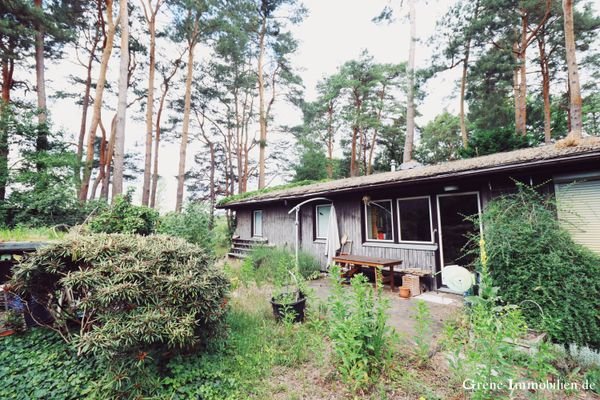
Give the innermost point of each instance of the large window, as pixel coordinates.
(379, 225)
(257, 218)
(322, 220)
(414, 219)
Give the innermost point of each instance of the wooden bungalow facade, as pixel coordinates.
(418, 215)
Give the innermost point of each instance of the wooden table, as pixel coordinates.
(371, 262)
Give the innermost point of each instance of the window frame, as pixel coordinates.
(399, 221)
(316, 220)
(254, 223)
(393, 239)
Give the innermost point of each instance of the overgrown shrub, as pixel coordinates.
(124, 217)
(264, 264)
(194, 224)
(534, 260)
(362, 340)
(126, 295)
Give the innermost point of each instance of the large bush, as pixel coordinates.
(126, 294)
(124, 217)
(194, 224)
(534, 261)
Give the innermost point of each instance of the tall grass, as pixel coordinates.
(22, 234)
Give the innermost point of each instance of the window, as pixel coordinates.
(379, 220)
(414, 219)
(257, 223)
(322, 220)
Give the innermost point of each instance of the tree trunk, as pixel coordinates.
(119, 154)
(161, 104)
(262, 118)
(186, 123)
(545, 88)
(106, 53)
(410, 96)
(109, 158)
(150, 14)
(516, 91)
(575, 102)
(102, 164)
(463, 82)
(8, 69)
(42, 130)
(521, 123)
(330, 141)
(85, 104)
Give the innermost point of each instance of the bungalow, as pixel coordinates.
(418, 215)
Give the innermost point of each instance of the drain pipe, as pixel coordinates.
(297, 221)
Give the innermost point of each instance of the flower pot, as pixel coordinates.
(404, 292)
(297, 308)
(7, 332)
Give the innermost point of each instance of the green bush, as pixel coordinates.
(124, 217)
(126, 295)
(194, 224)
(264, 264)
(533, 259)
(362, 340)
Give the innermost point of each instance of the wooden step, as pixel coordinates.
(237, 255)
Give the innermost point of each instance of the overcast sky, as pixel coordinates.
(334, 31)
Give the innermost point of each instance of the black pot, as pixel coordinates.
(280, 309)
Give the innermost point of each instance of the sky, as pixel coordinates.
(334, 32)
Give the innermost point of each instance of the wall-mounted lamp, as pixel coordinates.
(450, 188)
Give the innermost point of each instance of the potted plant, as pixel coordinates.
(13, 322)
(289, 294)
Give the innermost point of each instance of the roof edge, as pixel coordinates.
(470, 172)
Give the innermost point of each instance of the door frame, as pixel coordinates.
(439, 223)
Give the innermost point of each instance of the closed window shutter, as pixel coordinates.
(579, 211)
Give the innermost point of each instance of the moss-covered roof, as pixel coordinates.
(523, 158)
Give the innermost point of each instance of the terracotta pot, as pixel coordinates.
(404, 292)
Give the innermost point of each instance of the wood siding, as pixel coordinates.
(278, 229)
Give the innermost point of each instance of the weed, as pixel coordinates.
(359, 332)
(422, 332)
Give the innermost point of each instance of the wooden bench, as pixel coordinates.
(355, 262)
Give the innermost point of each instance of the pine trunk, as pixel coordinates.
(96, 111)
(186, 125)
(146, 186)
(119, 153)
(410, 96)
(262, 111)
(544, 67)
(575, 102)
(522, 85)
(109, 158)
(42, 130)
(85, 105)
(8, 68)
(330, 141)
(463, 88)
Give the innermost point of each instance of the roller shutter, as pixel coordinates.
(579, 211)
